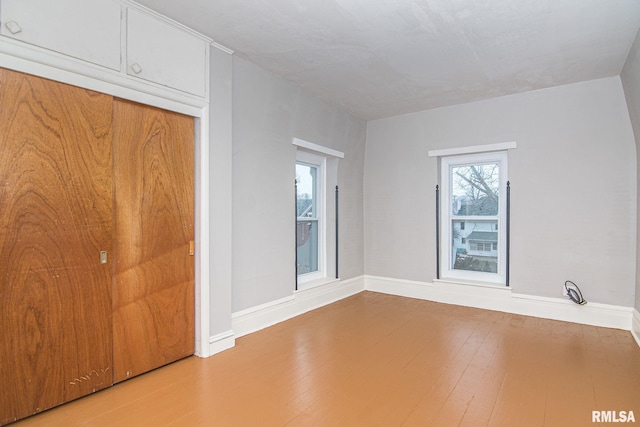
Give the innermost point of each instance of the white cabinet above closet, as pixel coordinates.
(114, 43)
(166, 54)
(90, 32)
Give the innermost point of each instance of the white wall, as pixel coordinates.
(631, 82)
(268, 112)
(573, 180)
(220, 162)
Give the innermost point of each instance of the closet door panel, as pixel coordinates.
(154, 211)
(55, 218)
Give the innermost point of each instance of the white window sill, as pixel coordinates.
(315, 283)
(450, 281)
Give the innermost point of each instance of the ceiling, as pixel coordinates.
(380, 58)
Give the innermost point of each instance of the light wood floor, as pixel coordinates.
(379, 360)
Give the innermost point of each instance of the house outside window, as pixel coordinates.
(473, 217)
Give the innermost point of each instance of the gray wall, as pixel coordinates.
(573, 180)
(268, 112)
(631, 82)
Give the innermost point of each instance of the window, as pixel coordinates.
(473, 216)
(316, 174)
(310, 211)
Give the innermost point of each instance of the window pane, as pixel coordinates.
(306, 197)
(307, 246)
(474, 247)
(475, 189)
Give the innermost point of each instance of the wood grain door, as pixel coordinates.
(55, 218)
(153, 295)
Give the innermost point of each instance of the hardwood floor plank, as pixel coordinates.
(380, 360)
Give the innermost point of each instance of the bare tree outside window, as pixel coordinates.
(475, 189)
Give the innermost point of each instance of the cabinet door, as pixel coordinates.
(165, 54)
(55, 218)
(153, 296)
(87, 31)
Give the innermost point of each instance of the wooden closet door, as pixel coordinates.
(55, 218)
(153, 295)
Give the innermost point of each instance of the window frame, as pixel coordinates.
(319, 162)
(446, 259)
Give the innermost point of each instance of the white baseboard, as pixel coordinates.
(503, 299)
(635, 326)
(221, 342)
(251, 320)
(486, 297)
